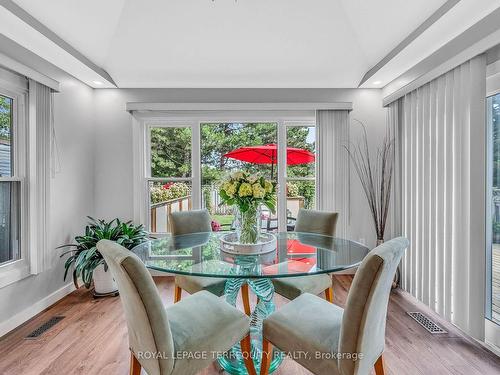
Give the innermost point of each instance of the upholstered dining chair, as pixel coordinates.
(317, 222)
(157, 335)
(188, 222)
(346, 341)
(198, 221)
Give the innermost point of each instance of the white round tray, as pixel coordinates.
(266, 244)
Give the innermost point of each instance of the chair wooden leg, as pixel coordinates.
(246, 299)
(246, 351)
(329, 294)
(267, 353)
(379, 366)
(135, 366)
(177, 294)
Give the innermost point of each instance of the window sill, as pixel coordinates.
(13, 272)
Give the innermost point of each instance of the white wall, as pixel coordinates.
(113, 185)
(72, 198)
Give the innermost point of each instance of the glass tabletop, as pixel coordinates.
(293, 254)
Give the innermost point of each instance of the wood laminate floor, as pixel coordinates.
(92, 339)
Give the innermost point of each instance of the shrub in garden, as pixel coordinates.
(169, 191)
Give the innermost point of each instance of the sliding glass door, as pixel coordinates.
(493, 229)
(218, 139)
(300, 175)
(187, 160)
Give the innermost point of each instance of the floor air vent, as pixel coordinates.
(425, 322)
(45, 327)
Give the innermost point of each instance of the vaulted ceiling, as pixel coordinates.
(228, 43)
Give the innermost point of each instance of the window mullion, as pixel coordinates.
(282, 142)
(11, 179)
(169, 179)
(196, 165)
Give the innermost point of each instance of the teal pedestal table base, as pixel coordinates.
(232, 361)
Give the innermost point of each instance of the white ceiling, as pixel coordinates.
(228, 43)
(458, 19)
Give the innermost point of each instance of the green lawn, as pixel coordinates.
(224, 220)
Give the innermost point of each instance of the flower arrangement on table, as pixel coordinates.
(247, 192)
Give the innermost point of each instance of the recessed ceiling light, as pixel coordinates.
(377, 82)
(97, 83)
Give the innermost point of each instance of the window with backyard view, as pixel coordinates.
(493, 284)
(9, 187)
(217, 149)
(170, 179)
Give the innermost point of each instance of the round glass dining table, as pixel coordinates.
(293, 254)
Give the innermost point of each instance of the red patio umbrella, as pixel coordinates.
(268, 154)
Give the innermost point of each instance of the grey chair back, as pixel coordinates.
(186, 222)
(363, 325)
(148, 328)
(314, 221)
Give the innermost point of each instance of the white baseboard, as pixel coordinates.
(37, 307)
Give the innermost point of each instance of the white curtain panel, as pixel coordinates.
(443, 142)
(333, 166)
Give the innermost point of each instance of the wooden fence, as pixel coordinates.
(212, 193)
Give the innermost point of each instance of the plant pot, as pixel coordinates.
(104, 284)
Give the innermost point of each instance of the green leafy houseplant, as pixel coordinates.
(84, 254)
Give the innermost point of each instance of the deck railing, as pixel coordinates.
(160, 213)
(212, 193)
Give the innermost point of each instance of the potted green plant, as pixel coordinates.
(86, 261)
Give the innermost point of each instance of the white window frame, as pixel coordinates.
(142, 122)
(194, 180)
(282, 217)
(16, 270)
(492, 329)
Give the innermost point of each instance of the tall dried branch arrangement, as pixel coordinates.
(375, 175)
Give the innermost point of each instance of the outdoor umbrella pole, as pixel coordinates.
(272, 168)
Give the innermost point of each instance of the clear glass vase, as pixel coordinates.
(248, 225)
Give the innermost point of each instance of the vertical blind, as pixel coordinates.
(42, 155)
(442, 135)
(333, 173)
